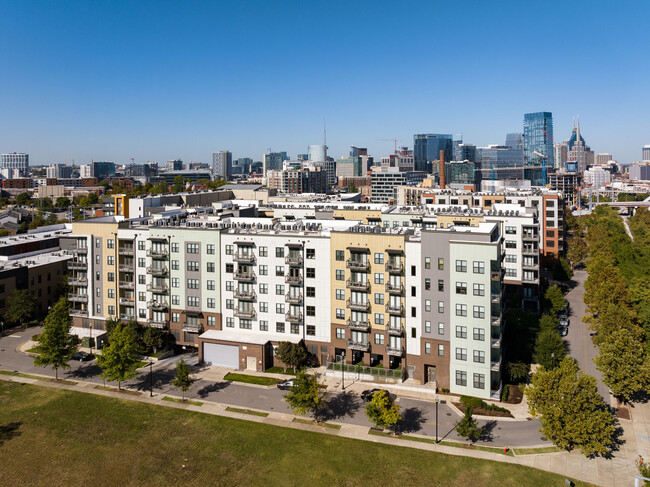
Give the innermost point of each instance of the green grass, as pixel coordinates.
(141, 363)
(533, 451)
(33, 350)
(72, 437)
(121, 391)
(20, 374)
(247, 411)
(491, 449)
(252, 379)
(280, 370)
(315, 423)
(187, 401)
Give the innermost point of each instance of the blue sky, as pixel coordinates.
(159, 80)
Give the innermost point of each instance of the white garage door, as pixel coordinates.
(222, 355)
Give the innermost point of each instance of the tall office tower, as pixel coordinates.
(222, 165)
(16, 163)
(317, 153)
(273, 161)
(465, 152)
(646, 153)
(504, 161)
(245, 164)
(427, 147)
(175, 165)
(515, 140)
(538, 139)
(603, 158)
(102, 170)
(561, 152)
(58, 171)
(579, 151)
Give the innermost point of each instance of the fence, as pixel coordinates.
(362, 372)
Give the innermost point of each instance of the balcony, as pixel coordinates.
(126, 284)
(394, 267)
(78, 312)
(395, 330)
(127, 301)
(245, 294)
(157, 305)
(495, 366)
(245, 313)
(77, 265)
(395, 351)
(530, 251)
(191, 328)
(293, 260)
(293, 280)
(358, 305)
(157, 323)
(293, 298)
(125, 267)
(530, 279)
(531, 266)
(157, 288)
(361, 346)
(395, 289)
(77, 281)
(495, 343)
(243, 258)
(293, 318)
(357, 285)
(496, 297)
(157, 253)
(245, 276)
(125, 251)
(79, 250)
(530, 237)
(127, 317)
(357, 325)
(496, 321)
(395, 309)
(78, 298)
(157, 271)
(358, 265)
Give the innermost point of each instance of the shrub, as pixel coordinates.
(505, 393)
(444, 390)
(36, 337)
(471, 402)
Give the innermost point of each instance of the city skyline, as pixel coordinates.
(160, 81)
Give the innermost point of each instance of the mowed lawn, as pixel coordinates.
(54, 437)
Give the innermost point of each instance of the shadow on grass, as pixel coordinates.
(205, 391)
(339, 405)
(411, 421)
(9, 431)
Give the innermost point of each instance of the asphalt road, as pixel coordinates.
(419, 416)
(578, 339)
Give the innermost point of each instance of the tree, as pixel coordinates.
(306, 395)
(183, 379)
(624, 365)
(381, 411)
(118, 359)
(22, 199)
(56, 345)
(548, 322)
(160, 188)
(76, 214)
(467, 427)
(573, 413)
(517, 372)
(555, 299)
(46, 203)
(179, 184)
(549, 349)
(154, 338)
(290, 354)
(352, 188)
(21, 305)
(577, 250)
(63, 202)
(51, 219)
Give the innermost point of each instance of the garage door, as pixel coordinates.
(222, 355)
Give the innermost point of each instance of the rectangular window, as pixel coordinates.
(142, 296)
(279, 270)
(461, 378)
(441, 264)
(511, 244)
(279, 289)
(264, 325)
(379, 278)
(193, 265)
(461, 288)
(110, 276)
(193, 301)
(311, 329)
(511, 258)
(192, 284)
(427, 327)
(427, 305)
(441, 328)
(379, 298)
(295, 328)
(427, 284)
(340, 255)
(340, 294)
(210, 303)
(479, 356)
(461, 266)
(141, 262)
(246, 324)
(212, 321)
(175, 247)
(511, 272)
(111, 293)
(175, 265)
(176, 300)
(176, 317)
(479, 289)
(311, 254)
(340, 275)
(340, 314)
(193, 248)
(111, 310)
(279, 327)
(427, 348)
(210, 266)
(461, 354)
(209, 249)
(142, 279)
(279, 252)
(264, 270)
(311, 292)
(479, 381)
(379, 339)
(441, 285)
(461, 332)
(264, 288)
(379, 319)
(413, 312)
(479, 334)
(340, 333)
(110, 243)
(110, 260)
(413, 270)
(311, 273)
(441, 306)
(229, 250)
(279, 308)
(310, 310)
(264, 307)
(264, 251)
(479, 267)
(461, 310)
(230, 304)
(511, 230)
(427, 262)
(478, 312)
(230, 322)
(379, 258)
(441, 350)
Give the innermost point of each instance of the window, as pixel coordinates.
(193, 301)
(413, 312)
(340, 314)
(461, 378)
(427, 284)
(511, 230)
(441, 285)
(209, 249)
(110, 243)
(379, 298)
(111, 293)
(279, 327)
(340, 333)
(279, 308)
(210, 266)
(230, 268)
(461, 266)
(461, 332)
(461, 310)
(175, 266)
(427, 348)
(230, 285)
(212, 321)
(479, 289)
(311, 329)
(295, 328)
(210, 303)
(427, 327)
(479, 334)
(142, 279)
(245, 324)
(98, 242)
(311, 292)
(414, 332)
(279, 289)
(311, 254)
(511, 272)
(441, 306)
(142, 313)
(511, 244)
(379, 258)
(441, 264)
(427, 305)
(264, 307)
(142, 296)
(192, 265)
(310, 310)
(264, 270)
(550, 243)
(141, 262)
(110, 260)
(279, 252)
(264, 288)
(479, 356)
(550, 233)
(379, 319)
(379, 339)
(478, 312)
(193, 248)
(111, 310)
(192, 284)
(441, 328)
(461, 354)
(264, 325)
(110, 276)
(279, 270)
(427, 262)
(479, 381)
(413, 270)
(340, 275)
(98, 259)
(479, 267)
(311, 273)
(176, 282)
(176, 317)
(340, 294)
(175, 247)
(461, 288)
(230, 322)
(512, 258)
(441, 350)
(176, 300)
(340, 255)
(230, 304)
(379, 278)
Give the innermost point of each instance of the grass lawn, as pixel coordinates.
(57, 437)
(180, 401)
(316, 423)
(532, 451)
(280, 370)
(252, 379)
(247, 411)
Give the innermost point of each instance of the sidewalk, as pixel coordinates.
(618, 471)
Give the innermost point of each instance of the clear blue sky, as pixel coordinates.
(160, 80)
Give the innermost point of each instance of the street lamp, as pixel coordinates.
(151, 378)
(342, 372)
(437, 400)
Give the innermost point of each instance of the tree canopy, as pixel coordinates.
(306, 395)
(381, 411)
(21, 306)
(549, 348)
(293, 355)
(467, 427)
(56, 345)
(183, 380)
(118, 360)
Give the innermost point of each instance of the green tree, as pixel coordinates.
(160, 188)
(3, 232)
(118, 360)
(38, 221)
(22, 199)
(577, 250)
(183, 379)
(63, 202)
(154, 338)
(293, 355)
(382, 412)
(624, 365)
(179, 184)
(352, 188)
(306, 394)
(517, 372)
(549, 349)
(21, 305)
(46, 203)
(572, 412)
(56, 345)
(51, 219)
(76, 214)
(467, 427)
(548, 322)
(555, 299)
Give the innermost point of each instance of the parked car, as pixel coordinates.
(285, 385)
(562, 330)
(565, 322)
(83, 356)
(367, 395)
(564, 313)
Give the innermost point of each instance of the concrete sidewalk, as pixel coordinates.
(618, 471)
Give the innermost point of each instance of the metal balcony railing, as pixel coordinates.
(157, 288)
(358, 305)
(157, 253)
(293, 298)
(361, 346)
(245, 295)
(395, 309)
(357, 325)
(243, 258)
(357, 265)
(294, 280)
(293, 260)
(293, 318)
(78, 298)
(245, 313)
(357, 285)
(395, 351)
(395, 288)
(157, 305)
(394, 267)
(157, 271)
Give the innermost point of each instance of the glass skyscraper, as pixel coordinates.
(538, 139)
(427, 147)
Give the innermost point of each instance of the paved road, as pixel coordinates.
(578, 339)
(418, 415)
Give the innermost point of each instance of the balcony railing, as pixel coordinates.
(245, 295)
(157, 288)
(394, 267)
(126, 284)
(157, 271)
(530, 279)
(530, 265)
(125, 251)
(530, 237)
(357, 285)
(395, 330)
(358, 265)
(293, 260)
(357, 325)
(127, 301)
(395, 309)
(293, 298)
(495, 343)
(157, 305)
(157, 253)
(396, 351)
(495, 366)
(295, 280)
(125, 267)
(245, 276)
(78, 312)
(530, 251)
(245, 313)
(395, 288)
(78, 298)
(157, 323)
(79, 250)
(355, 345)
(358, 305)
(191, 328)
(76, 281)
(127, 317)
(77, 265)
(496, 297)
(293, 318)
(243, 258)
(496, 321)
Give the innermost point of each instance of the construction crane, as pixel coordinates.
(393, 140)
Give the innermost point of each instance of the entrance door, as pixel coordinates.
(431, 373)
(411, 371)
(251, 363)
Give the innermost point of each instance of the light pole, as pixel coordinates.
(437, 400)
(151, 378)
(342, 372)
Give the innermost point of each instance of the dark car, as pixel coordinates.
(285, 385)
(565, 322)
(367, 395)
(83, 356)
(562, 330)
